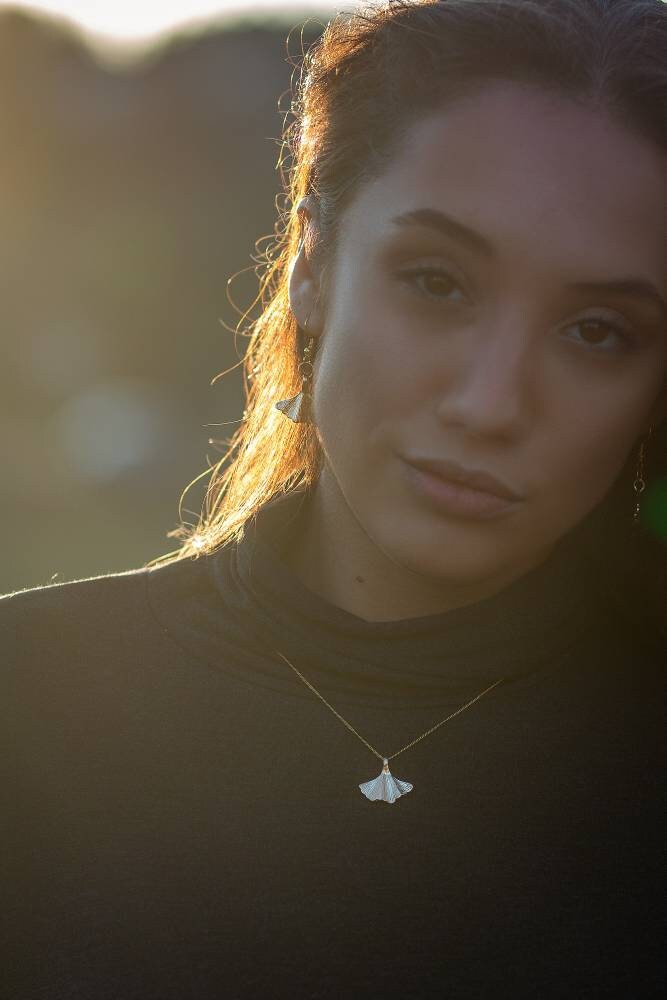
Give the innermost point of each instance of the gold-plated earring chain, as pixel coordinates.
(639, 485)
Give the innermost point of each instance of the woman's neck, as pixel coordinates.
(334, 557)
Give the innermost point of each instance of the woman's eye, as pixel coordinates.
(601, 335)
(436, 284)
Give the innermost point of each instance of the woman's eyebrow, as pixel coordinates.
(635, 288)
(432, 218)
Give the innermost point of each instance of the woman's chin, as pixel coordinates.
(447, 561)
(465, 554)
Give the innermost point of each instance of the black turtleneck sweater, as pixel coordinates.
(185, 819)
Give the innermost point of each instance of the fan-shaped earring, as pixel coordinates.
(299, 408)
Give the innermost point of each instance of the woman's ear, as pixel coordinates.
(306, 272)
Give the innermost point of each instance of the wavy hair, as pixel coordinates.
(361, 85)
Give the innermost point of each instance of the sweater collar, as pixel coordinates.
(528, 626)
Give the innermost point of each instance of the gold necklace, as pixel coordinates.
(386, 788)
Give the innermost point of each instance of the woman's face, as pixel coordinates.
(497, 300)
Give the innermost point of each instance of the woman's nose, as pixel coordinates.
(492, 390)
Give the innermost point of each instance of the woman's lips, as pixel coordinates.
(455, 498)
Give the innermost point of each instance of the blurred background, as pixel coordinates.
(140, 143)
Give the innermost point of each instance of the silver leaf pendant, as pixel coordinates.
(385, 788)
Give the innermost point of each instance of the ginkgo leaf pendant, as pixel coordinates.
(297, 408)
(385, 788)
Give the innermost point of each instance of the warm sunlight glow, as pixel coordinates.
(131, 21)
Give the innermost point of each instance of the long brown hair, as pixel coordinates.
(362, 83)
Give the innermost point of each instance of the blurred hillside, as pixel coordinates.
(127, 200)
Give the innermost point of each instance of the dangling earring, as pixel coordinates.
(639, 485)
(300, 407)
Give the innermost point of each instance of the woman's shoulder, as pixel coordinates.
(41, 627)
(65, 600)
(75, 652)
(103, 592)
(105, 612)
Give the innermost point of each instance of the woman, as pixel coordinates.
(424, 558)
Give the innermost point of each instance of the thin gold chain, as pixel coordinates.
(407, 746)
